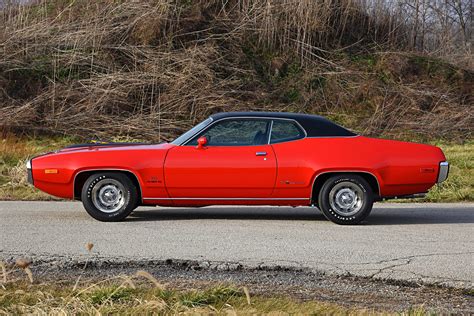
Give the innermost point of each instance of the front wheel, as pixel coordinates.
(346, 199)
(109, 197)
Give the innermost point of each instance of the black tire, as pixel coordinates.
(109, 196)
(346, 190)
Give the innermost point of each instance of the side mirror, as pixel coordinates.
(202, 142)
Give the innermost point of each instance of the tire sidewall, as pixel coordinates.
(131, 197)
(332, 215)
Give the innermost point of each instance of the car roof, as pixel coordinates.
(287, 115)
(314, 125)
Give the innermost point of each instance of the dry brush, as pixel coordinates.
(149, 69)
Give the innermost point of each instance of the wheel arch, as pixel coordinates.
(81, 177)
(321, 178)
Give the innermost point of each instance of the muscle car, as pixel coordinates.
(243, 158)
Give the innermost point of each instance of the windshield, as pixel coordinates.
(181, 139)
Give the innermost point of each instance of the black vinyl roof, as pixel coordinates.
(314, 125)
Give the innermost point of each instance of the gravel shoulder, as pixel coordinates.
(301, 284)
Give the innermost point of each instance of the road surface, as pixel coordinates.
(432, 243)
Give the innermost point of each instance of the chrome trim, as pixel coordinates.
(212, 120)
(270, 132)
(247, 117)
(261, 153)
(105, 169)
(292, 140)
(28, 164)
(230, 199)
(344, 171)
(409, 196)
(443, 171)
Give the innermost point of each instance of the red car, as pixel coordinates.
(251, 158)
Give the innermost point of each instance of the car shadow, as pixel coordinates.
(379, 216)
(229, 213)
(420, 215)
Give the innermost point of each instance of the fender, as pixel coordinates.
(377, 178)
(137, 177)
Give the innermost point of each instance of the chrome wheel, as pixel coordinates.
(108, 195)
(346, 198)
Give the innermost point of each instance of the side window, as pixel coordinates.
(236, 132)
(283, 131)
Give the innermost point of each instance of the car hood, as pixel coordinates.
(113, 147)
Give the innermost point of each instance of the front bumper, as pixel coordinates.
(443, 171)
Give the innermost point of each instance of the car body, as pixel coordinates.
(247, 158)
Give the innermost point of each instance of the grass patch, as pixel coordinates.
(460, 183)
(14, 152)
(110, 294)
(115, 296)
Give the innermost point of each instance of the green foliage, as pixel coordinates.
(291, 95)
(433, 67)
(215, 296)
(110, 294)
(365, 60)
(469, 292)
(384, 76)
(317, 82)
(260, 59)
(292, 70)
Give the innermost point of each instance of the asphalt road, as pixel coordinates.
(433, 243)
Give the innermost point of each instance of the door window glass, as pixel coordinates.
(236, 132)
(283, 131)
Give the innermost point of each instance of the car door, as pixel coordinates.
(237, 163)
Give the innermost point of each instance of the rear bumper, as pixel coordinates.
(29, 171)
(443, 171)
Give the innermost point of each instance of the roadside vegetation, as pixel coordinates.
(150, 69)
(15, 151)
(142, 293)
(460, 183)
(111, 298)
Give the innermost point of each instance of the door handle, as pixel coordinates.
(261, 153)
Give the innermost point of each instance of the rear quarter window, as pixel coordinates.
(284, 131)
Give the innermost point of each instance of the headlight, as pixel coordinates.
(28, 164)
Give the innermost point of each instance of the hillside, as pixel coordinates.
(151, 69)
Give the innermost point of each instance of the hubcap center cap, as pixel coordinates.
(346, 198)
(109, 195)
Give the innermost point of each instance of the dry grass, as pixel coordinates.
(150, 69)
(135, 294)
(460, 183)
(14, 152)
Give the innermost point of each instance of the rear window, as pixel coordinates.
(285, 130)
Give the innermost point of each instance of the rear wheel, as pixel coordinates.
(346, 199)
(109, 196)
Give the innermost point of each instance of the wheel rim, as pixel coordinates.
(346, 198)
(108, 195)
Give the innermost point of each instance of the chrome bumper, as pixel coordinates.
(29, 172)
(443, 171)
